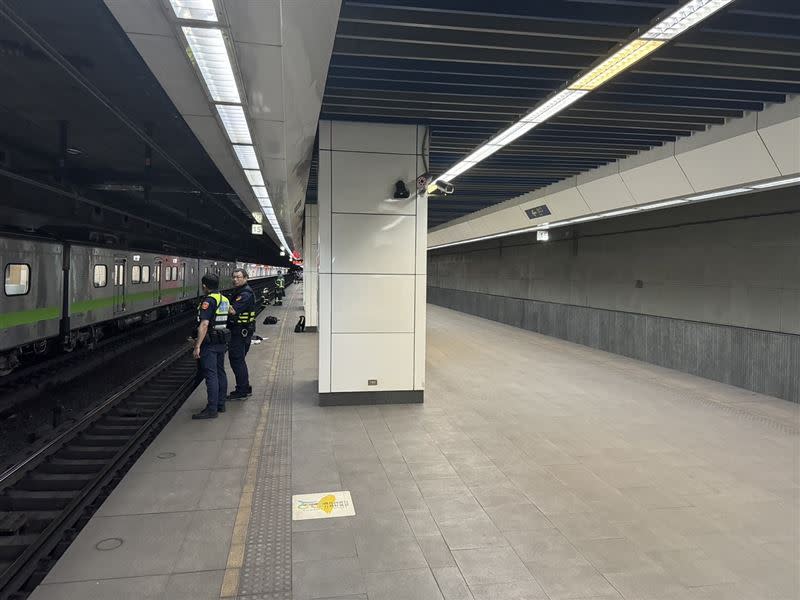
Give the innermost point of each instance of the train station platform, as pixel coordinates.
(535, 469)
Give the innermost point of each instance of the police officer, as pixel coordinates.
(242, 324)
(210, 344)
(279, 289)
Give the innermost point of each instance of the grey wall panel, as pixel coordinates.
(761, 361)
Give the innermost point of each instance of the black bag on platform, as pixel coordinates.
(301, 325)
(270, 320)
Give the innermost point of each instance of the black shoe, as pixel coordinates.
(205, 414)
(221, 409)
(237, 395)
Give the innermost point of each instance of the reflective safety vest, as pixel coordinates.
(221, 313)
(279, 282)
(246, 317)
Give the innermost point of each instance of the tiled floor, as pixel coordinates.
(539, 469)
(535, 470)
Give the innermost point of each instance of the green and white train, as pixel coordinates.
(62, 296)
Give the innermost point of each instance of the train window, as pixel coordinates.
(146, 274)
(136, 274)
(100, 276)
(119, 274)
(18, 279)
(167, 274)
(174, 273)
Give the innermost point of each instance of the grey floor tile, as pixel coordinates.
(323, 545)
(484, 566)
(150, 546)
(421, 522)
(202, 585)
(652, 582)
(432, 470)
(472, 533)
(561, 583)
(452, 584)
(207, 541)
(415, 584)
(223, 490)
(547, 548)
(518, 590)
(327, 578)
(167, 454)
(129, 588)
(519, 516)
(145, 492)
(435, 551)
(378, 552)
(610, 555)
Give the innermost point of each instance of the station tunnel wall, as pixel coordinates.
(712, 290)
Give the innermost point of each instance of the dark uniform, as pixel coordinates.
(214, 308)
(242, 326)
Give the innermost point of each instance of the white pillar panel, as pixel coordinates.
(311, 266)
(372, 253)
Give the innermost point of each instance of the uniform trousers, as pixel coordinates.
(239, 346)
(212, 367)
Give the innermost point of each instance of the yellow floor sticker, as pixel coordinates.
(325, 505)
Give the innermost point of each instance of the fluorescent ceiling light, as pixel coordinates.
(615, 213)
(211, 56)
(720, 194)
(247, 156)
(254, 177)
(616, 63)
(770, 184)
(235, 123)
(457, 170)
(481, 153)
(665, 204)
(553, 106)
(682, 19)
(198, 10)
(509, 134)
(260, 192)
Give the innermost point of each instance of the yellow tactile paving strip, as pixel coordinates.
(230, 582)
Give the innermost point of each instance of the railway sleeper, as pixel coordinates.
(65, 465)
(12, 546)
(104, 429)
(93, 439)
(79, 451)
(55, 481)
(29, 521)
(24, 500)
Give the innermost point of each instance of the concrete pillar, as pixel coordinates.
(372, 268)
(311, 267)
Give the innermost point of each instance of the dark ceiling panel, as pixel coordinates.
(468, 68)
(180, 201)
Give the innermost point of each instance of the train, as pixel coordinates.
(59, 296)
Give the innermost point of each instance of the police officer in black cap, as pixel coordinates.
(242, 324)
(210, 344)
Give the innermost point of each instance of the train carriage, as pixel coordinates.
(31, 303)
(104, 287)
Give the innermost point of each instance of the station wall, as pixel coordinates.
(711, 289)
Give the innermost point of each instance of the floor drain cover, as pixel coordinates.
(108, 544)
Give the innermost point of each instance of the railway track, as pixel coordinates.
(47, 498)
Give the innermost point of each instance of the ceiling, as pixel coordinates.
(469, 68)
(78, 68)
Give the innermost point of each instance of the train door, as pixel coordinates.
(120, 265)
(182, 279)
(157, 282)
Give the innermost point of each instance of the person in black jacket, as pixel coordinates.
(242, 324)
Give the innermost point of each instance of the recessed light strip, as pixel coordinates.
(631, 210)
(210, 53)
(668, 28)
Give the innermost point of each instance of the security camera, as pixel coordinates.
(442, 186)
